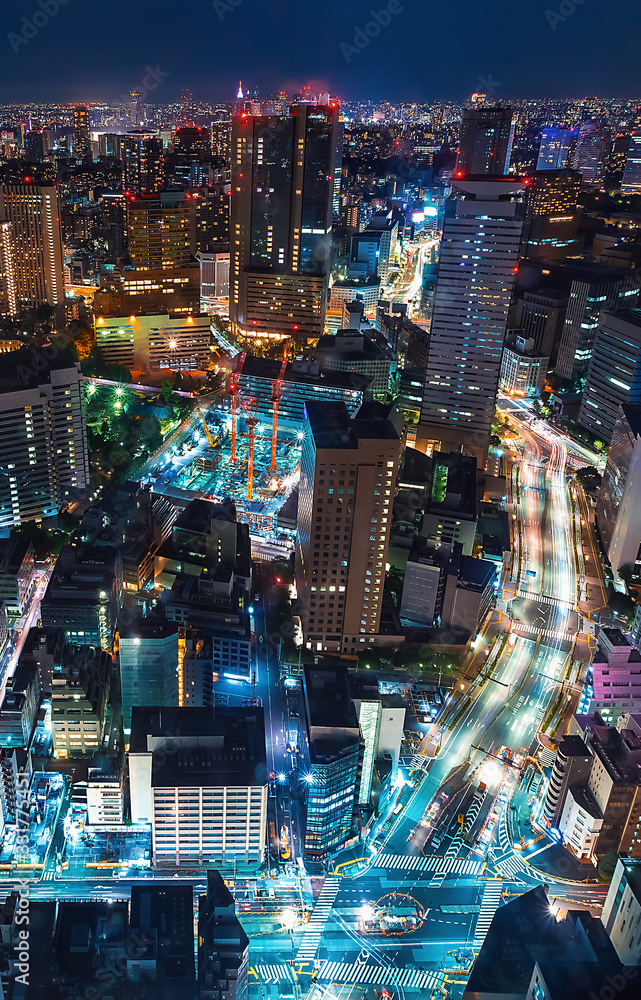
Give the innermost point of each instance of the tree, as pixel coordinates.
(166, 390)
(598, 445)
(607, 864)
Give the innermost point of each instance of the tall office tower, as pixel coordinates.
(191, 142)
(281, 217)
(479, 253)
(618, 156)
(143, 167)
(136, 109)
(618, 511)
(43, 449)
(36, 241)
(221, 139)
(348, 472)
(333, 752)
(631, 182)
(485, 143)
(34, 146)
(614, 373)
(148, 658)
(81, 137)
(159, 230)
(593, 287)
(8, 298)
(590, 154)
(552, 222)
(223, 950)
(554, 149)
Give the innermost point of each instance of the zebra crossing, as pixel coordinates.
(419, 761)
(549, 633)
(355, 972)
(320, 915)
(48, 876)
(511, 865)
(547, 756)
(490, 902)
(418, 862)
(544, 599)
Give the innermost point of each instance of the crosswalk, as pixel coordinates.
(544, 599)
(449, 866)
(490, 902)
(511, 865)
(320, 915)
(419, 761)
(549, 633)
(547, 756)
(48, 876)
(355, 972)
(454, 847)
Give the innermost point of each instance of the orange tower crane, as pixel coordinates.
(275, 399)
(232, 391)
(251, 427)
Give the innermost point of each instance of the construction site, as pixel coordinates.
(232, 450)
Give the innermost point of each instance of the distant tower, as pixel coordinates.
(240, 96)
(486, 141)
(81, 139)
(136, 111)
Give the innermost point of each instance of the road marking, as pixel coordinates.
(492, 893)
(320, 915)
(446, 866)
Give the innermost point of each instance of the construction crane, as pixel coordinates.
(208, 434)
(275, 399)
(232, 390)
(251, 427)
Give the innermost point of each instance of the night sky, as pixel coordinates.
(94, 50)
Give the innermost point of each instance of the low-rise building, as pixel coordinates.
(83, 595)
(523, 369)
(199, 776)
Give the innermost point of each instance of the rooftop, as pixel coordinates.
(332, 427)
(328, 699)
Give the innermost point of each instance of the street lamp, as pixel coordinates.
(289, 919)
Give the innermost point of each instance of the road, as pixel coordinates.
(11, 654)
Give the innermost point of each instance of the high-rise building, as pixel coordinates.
(614, 373)
(143, 166)
(34, 146)
(148, 657)
(554, 149)
(485, 142)
(592, 288)
(333, 754)
(631, 182)
(479, 256)
(223, 953)
(621, 914)
(43, 448)
(571, 767)
(136, 109)
(590, 155)
(150, 342)
(8, 297)
(618, 512)
(81, 136)
(36, 243)
(553, 192)
(159, 230)
(283, 172)
(348, 475)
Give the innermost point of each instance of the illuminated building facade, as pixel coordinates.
(485, 142)
(81, 137)
(35, 243)
(283, 172)
(143, 167)
(631, 183)
(614, 374)
(554, 149)
(479, 256)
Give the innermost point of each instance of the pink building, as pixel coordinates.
(616, 669)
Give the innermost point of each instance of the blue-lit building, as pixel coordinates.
(555, 148)
(631, 182)
(333, 754)
(614, 375)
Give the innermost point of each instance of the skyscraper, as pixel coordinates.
(554, 149)
(348, 474)
(81, 137)
(283, 172)
(485, 142)
(43, 448)
(552, 224)
(479, 254)
(631, 183)
(159, 230)
(148, 658)
(143, 170)
(590, 154)
(8, 300)
(136, 108)
(614, 374)
(36, 243)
